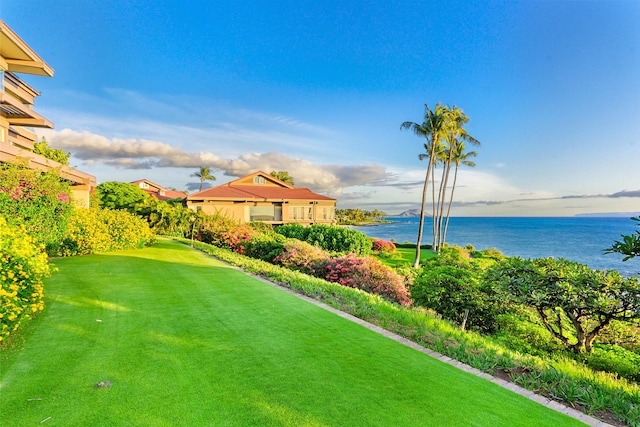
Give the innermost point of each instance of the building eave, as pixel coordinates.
(18, 56)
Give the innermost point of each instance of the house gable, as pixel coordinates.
(259, 178)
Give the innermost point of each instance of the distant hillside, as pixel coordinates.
(610, 214)
(411, 213)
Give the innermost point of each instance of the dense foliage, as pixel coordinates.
(23, 266)
(41, 202)
(358, 216)
(329, 238)
(224, 232)
(42, 148)
(120, 195)
(364, 273)
(103, 230)
(573, 302)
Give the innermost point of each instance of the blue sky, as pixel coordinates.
(154, 89)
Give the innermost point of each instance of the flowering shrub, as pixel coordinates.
(384, 246)
(225, 232)
(103, 230)
(301, 256)
(368, 274)
(39, 201)
(23, 266)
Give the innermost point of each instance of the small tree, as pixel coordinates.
(282, 176)
(573, 301)
(120, 195)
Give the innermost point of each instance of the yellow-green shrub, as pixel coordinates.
(103, 230)
(23, 265)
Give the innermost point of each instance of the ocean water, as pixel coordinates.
(580, 239)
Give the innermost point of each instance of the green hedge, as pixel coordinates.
(330, 238)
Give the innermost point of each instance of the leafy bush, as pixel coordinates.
(57, 155)
(39, 201)
(365, 273)
(520, 332)
(265, 247)
(225, 232)
(451, 290)
(301, 256)
(120, 195)
(23, 266)
(384, 246)
(329, 238)
(103, 230)
(293, 231)
(613, 358)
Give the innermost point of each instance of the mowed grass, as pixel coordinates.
(185, 340)
(406, 256)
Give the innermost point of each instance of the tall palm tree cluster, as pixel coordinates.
(445, 135)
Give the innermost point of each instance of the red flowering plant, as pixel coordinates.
(384, 246)
(225, 232)
(368, 274)
(301, 256)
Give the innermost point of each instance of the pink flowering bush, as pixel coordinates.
(365, 273)
(225, 232)
(384, 246)
(38, 201)
(301, 256)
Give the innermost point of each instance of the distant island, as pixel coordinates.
(411, 213)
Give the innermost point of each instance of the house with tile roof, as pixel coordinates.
(158, 191)
(261, 197)
(18, 119)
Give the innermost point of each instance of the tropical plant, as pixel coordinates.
(205, 175)
(444, 131)
(120, 196)
(629, 246)
(433, 129)
(39, 201)
(104, 230)
(282, 176)
(23, 266)
(365, 273)
(42, 148)
(573, 302)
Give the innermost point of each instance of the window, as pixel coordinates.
(258, 180)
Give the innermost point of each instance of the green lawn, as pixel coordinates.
(406, 256)
(188, 341)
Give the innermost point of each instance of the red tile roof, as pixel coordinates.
(261, 192)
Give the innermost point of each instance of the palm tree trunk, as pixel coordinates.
(453, 188)
(416, 262)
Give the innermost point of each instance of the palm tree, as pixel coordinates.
(459, 157)
(456, 135)
(433, 128)
(205, 175)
